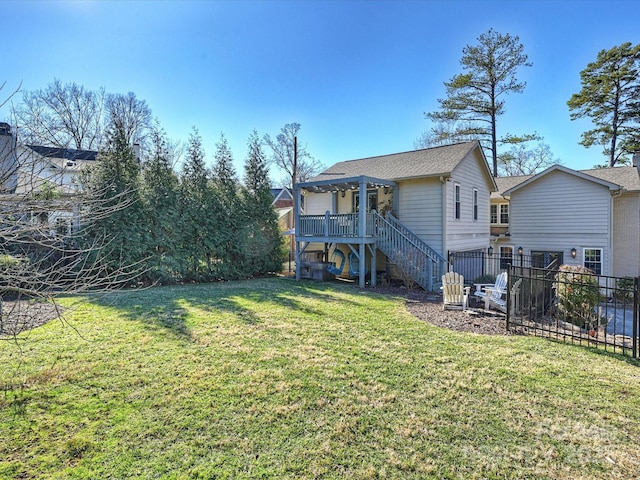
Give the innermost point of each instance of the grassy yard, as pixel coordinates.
(282, 379)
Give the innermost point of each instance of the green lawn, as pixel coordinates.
(282, 379)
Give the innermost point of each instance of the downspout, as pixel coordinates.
(443, 199)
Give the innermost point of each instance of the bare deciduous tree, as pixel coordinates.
(61, 115)
(128, 114)
(282, 155)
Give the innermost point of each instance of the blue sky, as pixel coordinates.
(358, 75)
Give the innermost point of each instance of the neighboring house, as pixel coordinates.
(406, 209)
(35, 172)
(283, 205)
(587, 217)
(282, 197)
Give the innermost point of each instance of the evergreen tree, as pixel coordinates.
(263, 242)
(160, 195)
(230, 261)
(114, 182)
(475, 98)
(610, 96)
(199, 212)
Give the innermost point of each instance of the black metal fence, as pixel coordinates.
(478, 266)
(579, 308)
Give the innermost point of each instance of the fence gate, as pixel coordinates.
(578, 308)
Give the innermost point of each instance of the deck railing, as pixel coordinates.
(344, 225)
(405, 249)
(409, 252)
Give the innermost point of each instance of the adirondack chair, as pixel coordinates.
(334, 267)
(454, 294)
(493, 293)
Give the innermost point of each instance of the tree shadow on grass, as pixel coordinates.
(167, 308)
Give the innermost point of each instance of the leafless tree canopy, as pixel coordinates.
(61, 115)
(130, 115)
(282, 155)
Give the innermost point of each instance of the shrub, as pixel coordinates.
(624, 288)
(578, 295)
(486, 278)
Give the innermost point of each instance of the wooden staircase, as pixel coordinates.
(408, 252)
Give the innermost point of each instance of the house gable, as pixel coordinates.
(559, 168)
(428, 162)
(560, 210)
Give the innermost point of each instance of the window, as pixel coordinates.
(372, 200)
(503, 216)
(542, 259)
(504, 213)
(457, 200)
(593, 259)
(475, 204)
(506, 257)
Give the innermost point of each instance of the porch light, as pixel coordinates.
(385, 190)
(520, 250)
(343, 193)
(490, 251)
(573, 253)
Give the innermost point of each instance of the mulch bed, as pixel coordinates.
(427, 306)
(22, 315)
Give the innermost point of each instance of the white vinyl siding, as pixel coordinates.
(317, 203)
(465, 234)
(420, 209)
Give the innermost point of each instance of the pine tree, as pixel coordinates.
(610, 96)
(475, 98)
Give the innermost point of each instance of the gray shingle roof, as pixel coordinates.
(626, 177)
(505, 183)
(427, 162)
(64, 153)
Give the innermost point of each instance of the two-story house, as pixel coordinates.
(587, 217)
(32, 172)
(406, 209)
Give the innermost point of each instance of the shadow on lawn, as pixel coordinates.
(166, 308)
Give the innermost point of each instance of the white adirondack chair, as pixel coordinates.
(493, 293)
(454, 294)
